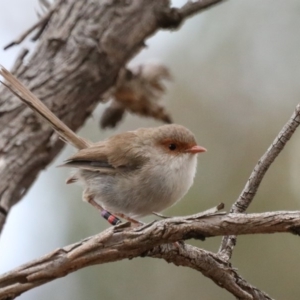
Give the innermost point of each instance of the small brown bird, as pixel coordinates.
(132, 174)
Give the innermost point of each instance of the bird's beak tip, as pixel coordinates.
(196, 149)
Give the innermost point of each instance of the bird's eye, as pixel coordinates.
(172, 147)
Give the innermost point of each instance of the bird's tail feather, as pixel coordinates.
(38, 106)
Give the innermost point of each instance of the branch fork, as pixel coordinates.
(112, 53)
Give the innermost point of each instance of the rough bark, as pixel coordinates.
(83, 45)
(123, 242)
(78, 57)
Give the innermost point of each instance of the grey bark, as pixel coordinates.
(151, 240)
(77, 59)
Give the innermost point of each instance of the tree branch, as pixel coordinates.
(257, 175)
(123, 241)
(74, 63)
(96, 52)
(211, 266)
(172, 18)
(193, 7)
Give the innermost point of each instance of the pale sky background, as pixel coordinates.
(236, 72)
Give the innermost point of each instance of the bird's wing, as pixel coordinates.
(116, 154)
(99, 166)
(92, 159)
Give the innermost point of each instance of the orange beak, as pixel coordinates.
(196, 149)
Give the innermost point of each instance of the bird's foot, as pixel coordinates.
(132, 221)
(160, 215)
(111, 218)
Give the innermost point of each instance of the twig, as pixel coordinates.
(173, 17)
(21, 38)
(193, 7)
(122, 242)
(41, 23)
(45, 4)
(252, 185)
(20, 59)
(205, 213)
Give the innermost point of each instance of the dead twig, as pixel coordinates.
(257, 175)
(41, 24)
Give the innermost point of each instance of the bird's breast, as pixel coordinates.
(152, 188)
(181, 173)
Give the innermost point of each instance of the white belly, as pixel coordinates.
(137, 195)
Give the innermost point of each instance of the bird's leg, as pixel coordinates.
(133, 221)
(113, 220)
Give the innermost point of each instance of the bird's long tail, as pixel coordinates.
(38, 106)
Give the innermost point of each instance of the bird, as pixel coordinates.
(129, 175)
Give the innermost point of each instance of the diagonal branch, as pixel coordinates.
(123, 242)
(172, 18)
(193, 7)
(211, 266)
(257, 175)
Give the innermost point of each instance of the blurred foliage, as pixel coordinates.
(236, 69)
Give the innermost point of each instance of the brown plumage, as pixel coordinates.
(131, 174)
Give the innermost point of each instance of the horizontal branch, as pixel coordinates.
(123, 241)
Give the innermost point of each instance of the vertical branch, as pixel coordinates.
(257, 175)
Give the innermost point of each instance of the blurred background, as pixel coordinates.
(236, 70)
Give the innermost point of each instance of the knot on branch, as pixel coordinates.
(295, 230)
(169, 19)
(193, 234)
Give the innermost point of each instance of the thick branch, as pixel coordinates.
(211, 266)
(125, 242)
(80, 53)
(257, 175)
(78, 59)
